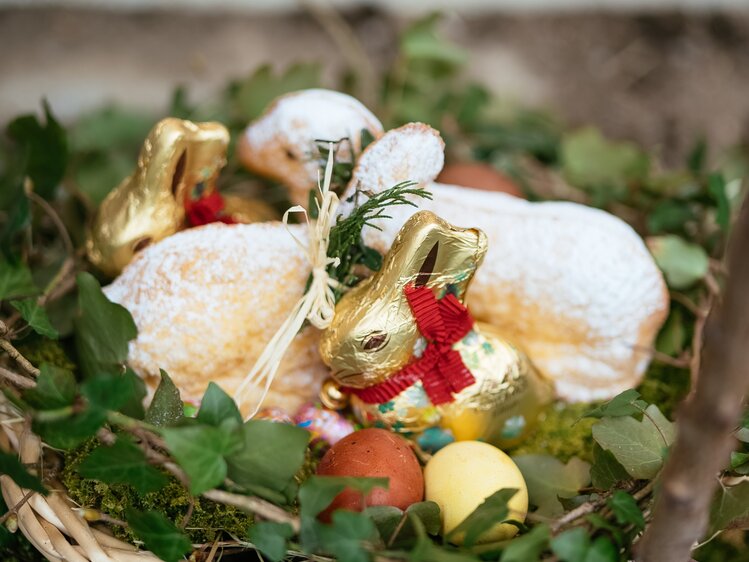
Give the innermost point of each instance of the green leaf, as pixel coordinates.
(15, 280)
(626, 510)
(271, 538)
(548, 479)
(10, 465)
(492, 510)
(45, 148)
(122, 463)
(602, 550)
(111, 392)
(571, 546)
(426, 551)
(639, 446)
(716, 186)
(35, 317)
(348, 535)
(606, 470)
(673, 335)
(740, 462)
(318, 492)
(420, 41)
(217, 406)
(683, 263)
(528, 547)
(110, 128)
(72, 431)
(625, 404)
(270, 454)
(591, 162)
(158, 534)
(166, 407)
(387, 519)
(200, 451)
(730, 508)
(55, 388)
(669, 216)
(103, 330)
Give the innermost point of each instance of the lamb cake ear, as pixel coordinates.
(414, 152)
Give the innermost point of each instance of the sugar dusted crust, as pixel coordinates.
(278, 144)
(207, 300)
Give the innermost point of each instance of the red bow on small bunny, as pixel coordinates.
(441, 369)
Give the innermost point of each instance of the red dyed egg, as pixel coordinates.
(478, 176)
(374, 453)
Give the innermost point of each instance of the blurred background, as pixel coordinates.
(662, 73)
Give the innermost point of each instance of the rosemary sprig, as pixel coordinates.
(346, 241)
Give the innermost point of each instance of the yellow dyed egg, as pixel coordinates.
(462, 475)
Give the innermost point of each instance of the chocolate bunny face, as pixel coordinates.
(148, 206)
(374, 332)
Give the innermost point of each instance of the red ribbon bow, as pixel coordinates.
(440, 368)
(206, 209)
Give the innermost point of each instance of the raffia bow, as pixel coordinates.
(317, 305)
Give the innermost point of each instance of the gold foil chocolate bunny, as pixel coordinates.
(412, 358)
(178, 158)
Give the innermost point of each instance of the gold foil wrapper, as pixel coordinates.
(374, 335)
(149, 204)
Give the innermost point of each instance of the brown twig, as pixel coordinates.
(704, 428)
(17, 380)
(254, 505)
(13, 510)
(59, 225)
(14, 354)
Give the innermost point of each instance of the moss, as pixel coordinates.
(665, 386)
(208, 520)
(38, 351)
(558, 434)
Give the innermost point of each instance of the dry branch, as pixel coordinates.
(704, 431)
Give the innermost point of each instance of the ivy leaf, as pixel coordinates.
(672, 336)
(102, 330)
(158, 534)
(426, 551)
(70, 432)
(625, 404)
(271, 538)
(683, 263)
(15, 280)
(639, 446)
(606, 470)
(602, 550)
(420, 41)
(387, 518)
(740, 462)
(730, 508)
(347, 536)
(111, 392)
(45, 147)
(55, 388)
(571, 545)
(35, 317)
(485, 516)
(122, 463)
(548, 479)
(200, 450)
(528, 547)
(217, 406)
(166, 407)
(596, 164)
(716, 187)
(269, 456)
(625, 509)
(10, 465)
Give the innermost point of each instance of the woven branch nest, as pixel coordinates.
(53, 523)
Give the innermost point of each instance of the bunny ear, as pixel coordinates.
(427, 268)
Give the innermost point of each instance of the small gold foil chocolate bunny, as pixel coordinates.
(178, 160)
(412, 358)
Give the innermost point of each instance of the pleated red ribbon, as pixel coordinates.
(441, 369)
(206, 209)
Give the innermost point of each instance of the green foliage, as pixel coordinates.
(548, 479)
(484, 517)
(626, 510)
(271, 538)
(638, 445)
(396, 527)
(102, 330)
(348, 536)
(217, 406)
(730, 508)
(55, 388)
(527, 547)
(15, 280)
(166, 405)
(35, 317)
(122, 463)
(158, 534)
(682, 263)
